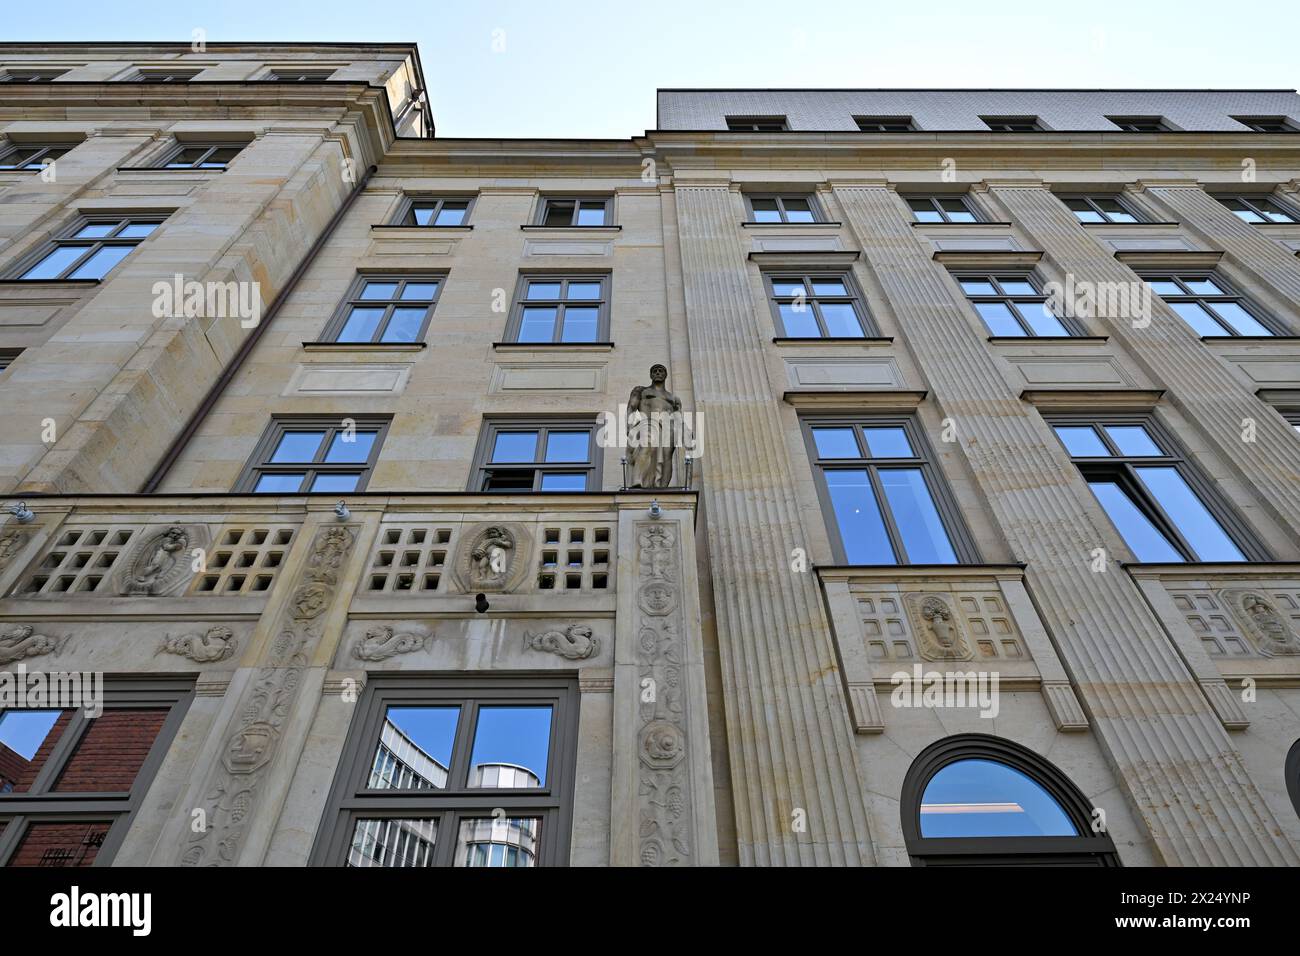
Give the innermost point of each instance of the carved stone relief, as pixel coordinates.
(1268, 629)
(575, 643)
(493, 557)
(21, 641)
(382, 641)
(938, 628)
(12, 541)
(160, 564)
(217, 643)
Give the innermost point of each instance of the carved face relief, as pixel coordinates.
(1266, 627)
(937, 628)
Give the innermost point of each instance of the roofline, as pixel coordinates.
(966, 89)
(221, 44)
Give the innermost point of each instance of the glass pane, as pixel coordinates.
(221, 157)
(515, 446)
(591, 214)
(858, 517)
(16, 159)
(335, 483)
(798, 210)
(1239, 319)
(511, 747)
(26, 739)
(580, 324)
(998, 318)
(567, 446)
(95, 230)
(1204, 286)
(137, 230)
(414, 749)
(451, 214)
(1017, 286)
(498, 842)
(361, 325)
(924, 537)
(1085, 213)
(54, 264)
(393, 841)
(841, 320)
(558, 213)
(1247, 215)
(112, 751)
(298, 446)
(829, 287)
(888, 443)
(961, 215)
(1081, 441)
(1040, 319)
(1164, 287)
(423, 215)
(1276, 214)
(952, 204)
(1142, 537)
(419, 291)
(279, 483)
(1133, 440)
(404, 326)
(1196, 316)
(977, 287)
(836, 443)
(103, 260)
(765, 210)
(379, 290)
(786, 288)
(60, 844)
(1189, 515)
(543, 290)
(346, 447)
(567, 481)
(799, 321)
(537, 324)
(584, 290)
(926, 214)
(983, 798)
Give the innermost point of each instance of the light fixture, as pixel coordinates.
(481, 603)
(341, 510)
(22, 512)
(655, 510)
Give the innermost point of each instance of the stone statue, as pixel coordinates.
(491, 557)
(652, 436)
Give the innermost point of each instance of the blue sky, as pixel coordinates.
(590, 69)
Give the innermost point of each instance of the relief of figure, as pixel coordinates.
(491, 556)
(156, 562)
(217, 644)
(937, 628)
(654, 417)
(1267, 627)
(22, 641)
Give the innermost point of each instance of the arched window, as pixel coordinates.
(1292, 772)
(977, 800)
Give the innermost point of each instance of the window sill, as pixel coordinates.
(959, 225)
(1043, 339)
(1129, 225)
(53, 283)
(1281, 339)
(831, 224)
(164, 169)
(553, 346)
(364, 346)
(834, 340)
(418, 230)
(586, 229)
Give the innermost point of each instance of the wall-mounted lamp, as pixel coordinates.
(22, 512)
(341, 510)
(655, 510)
(481, 603)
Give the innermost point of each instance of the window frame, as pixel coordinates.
(1291, 771)
(1096, 849)
(405, 215)
(7, 357)
(1284, 124)
(156, 75)
(773, 123)
(37, 162)
(276, 75)
(42, 804)
(179, 147)
(259, 463)
(515, 320)
(1091, 200)
(959, 536)
(1001, 124)
(1120, 468)
(1130, 124)
(545, 202)
(543, 425)
(30, 75)
(350, 800)
(1071, 325)
(351, 298)
(1258, 203)
(935, 201)
(864, 124)
(67, 237)
(854, 298)
(1231, 295)
(780, 200)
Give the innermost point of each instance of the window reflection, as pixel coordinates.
(498, 841)
(395, 842)
(414, 751)
(511, 747)
(983, 798)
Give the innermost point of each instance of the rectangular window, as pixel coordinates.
(880, 495)
(818, 306)
(1158, 503)
(306, 455)
(161, 76)
(575, 211)
(1267, 124)
(70, 783)
(436, 211)
(290, 75)
(30, 157)
(19, 75)
(1257, 208)
(757, 124)
(199, 156)
(7, 357)
(1294, 419)
(90, 248)
(1140, 124)
(1011, 305)
(555, 455)
(941, 208)
(885, 124)
(454, 772)
(1100, 209)
(1013, 124)
(786, 208)
(557, 309)
(1208, 304)
(386, 309)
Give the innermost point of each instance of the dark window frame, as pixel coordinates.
(406, 211)
(959, 536)
(1268, 124)
(1093, 200)
(1260, 204)
(1141, 124)
(7, 357)
(67, 237)
(259, 463)
(1014, 124)
(854, 298)
(1119, 468)
(350, 799)
(1291, 770)
(780, 199)
(41, 804)
(30, 75)
(1093, 849)
(482, 466)
(291, 75)
(180, 147)
(545, 203)
(1180, 277)
(160, 75)
(351, 299)
(1072, 325)
(883, 124)
(935, 201)
(603, 306)
(39, 160)
(773, 123)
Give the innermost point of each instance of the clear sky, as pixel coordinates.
(589, 68)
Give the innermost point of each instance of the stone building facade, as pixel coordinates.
(320, 428)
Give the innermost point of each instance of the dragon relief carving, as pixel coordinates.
(575, 643)
(381, 642)
(217, 643)
(21, 642)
